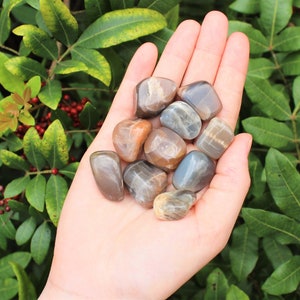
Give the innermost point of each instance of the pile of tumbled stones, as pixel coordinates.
(152, 153)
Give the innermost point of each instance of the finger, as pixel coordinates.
(229, 83)
(178, 52)
(209, 49)
(219, 207)
(140, 67)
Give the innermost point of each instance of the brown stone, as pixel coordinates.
(164, 148)
(144, 181)
(173, 205)
(202, 97)
(129, 137)
(215, 138)
(108, 174)
(153, 94)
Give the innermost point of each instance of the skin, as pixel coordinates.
(107, 250)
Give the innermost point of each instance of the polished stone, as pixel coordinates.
(202, 97)
(144, 181)
(129, 136)
(194, 172)
(215, 138)
(153, 94)
(108, 174)
(173, 205)
(181, 118)
(164, 148)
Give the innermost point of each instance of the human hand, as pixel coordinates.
(119, 250)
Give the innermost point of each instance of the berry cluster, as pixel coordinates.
(4, 207)
(72, 108)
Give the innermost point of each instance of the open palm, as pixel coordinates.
(108, 250)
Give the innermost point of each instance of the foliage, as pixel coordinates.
(59, 69)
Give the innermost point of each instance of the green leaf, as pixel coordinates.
(54, 145)
(256, 172)
(296, 91)
(269, 100)
(276, 253)
(59, 21)
(285, 279)
(260, 68)
(217, 285)
(268, 132)
(162, 6)
(275, 15)
(32, 144)
(89, 116)
(26, 118)
(70, 66)
(25, 231)
(38, 41)
(16, 186)
(95, 8)
(70, 170)
(25, 67)
(284, 183)
(40, 243)
(287, 40)
(235, 293)
(96, 63)
(34, 84)
(3, 242)
(14, 143)
(243, 252)
(291, 64)
(9, 81)
(13, 160)
(51, 93)
(116, 4)
(19, 257)
(56, 192)
(8, 288)
(245, 6)
(35, 192)
(277, 226)
(7, 227)
(5, 22)
(258, 42)
(26, 288)
(120, 26)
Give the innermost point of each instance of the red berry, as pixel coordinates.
(67, 97)
(35, 100)
(84, 100)
(54, 171)
(1, 211)
(73, 103)
(73, 111)
(1, 202)
(7, 208)
(79, 107)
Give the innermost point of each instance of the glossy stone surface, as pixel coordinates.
(129, 137)
(153, 94)
(215, 138)
(202, 97)
(173, 205)
(194, 172)
(164, 148)
(108, 174)
(181, 118)
(144, 181)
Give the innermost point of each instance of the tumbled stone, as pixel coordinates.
(181, 118)
(215, 138)
(107, 172)
(194, 172)
(173, 205)
(164, 148)
(202, 97)
(153, 94)
(129, 136)
(144, 181)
